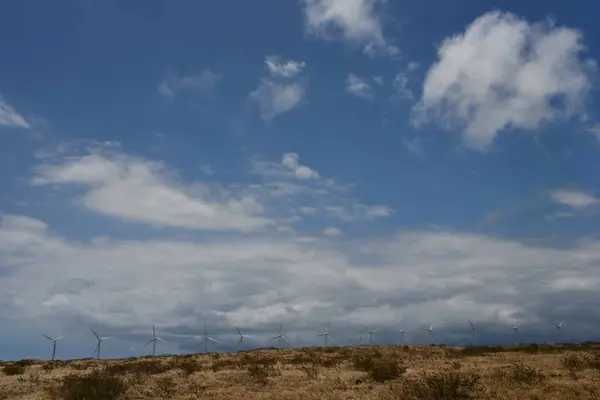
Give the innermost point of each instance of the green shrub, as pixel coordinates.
(385, 370)
(260, 373)
(522, 373)
(13, 369)
(444, 385)
(99, 385)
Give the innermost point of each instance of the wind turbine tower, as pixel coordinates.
(205, 340)
(558, 329)
(430, 330)
(280, 336)
(473, 332)
(402, 335)
(515, 329)
(154, 340)
(326, 336)
(371, 332)
(53, 344)
(100, 339)
(242, 337)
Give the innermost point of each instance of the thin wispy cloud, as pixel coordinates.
(282, 91)
(202, 84)
(10, 117)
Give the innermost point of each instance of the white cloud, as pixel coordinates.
(359, 87)
(277, 98)
(291, 162)
(595, 129)
(258, 281)
(378, 80)
(504, 72)
(141, 190)
(283, 91)
(207, 169)
(359, 211)
(573, 198)
(280, 68)
(202, 84)
(331, 231)
(351, 20)
(308, 210)
(10, 117)
(412, 66)
(413, 145)
(401, 88)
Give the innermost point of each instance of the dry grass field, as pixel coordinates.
(382, 372)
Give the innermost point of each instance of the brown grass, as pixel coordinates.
(401, 372)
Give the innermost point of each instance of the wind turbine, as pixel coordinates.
(473, 331)
(371, 332)
(153, 341)
(516, 330)
(402, 335)
(327, 336)
(558, 328)
(430, 330)
(53, 344)
(205, 340)
(242, 336)
(280, 336)
(100, 339)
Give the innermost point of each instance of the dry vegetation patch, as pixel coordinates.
(386, 372)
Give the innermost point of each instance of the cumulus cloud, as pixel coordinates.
(351, 20)
(142, 190)
(257, 281)
(282, 91)
(573, 198)
(331, 231)
(504, 72)
(359, 87)
(10, 117)
(202, 84)
(291, 162)
(288, 69)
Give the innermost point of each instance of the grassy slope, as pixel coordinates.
(383, 372)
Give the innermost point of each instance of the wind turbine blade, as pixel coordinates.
(284, 338)
(58, 338)
(106, 337)
(212, 340)
(95, 334)
(321, 334)
(332, 341)
(162, 340)
(149, 343)
(276, 337)
(248, 336)
(375, 330)
(153, 331)
(47, 337)
(238, 330)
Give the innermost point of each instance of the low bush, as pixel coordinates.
(13, 369)
(522, 373)
(99, 385)
(444, 385)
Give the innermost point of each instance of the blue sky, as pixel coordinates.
(349, 162)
